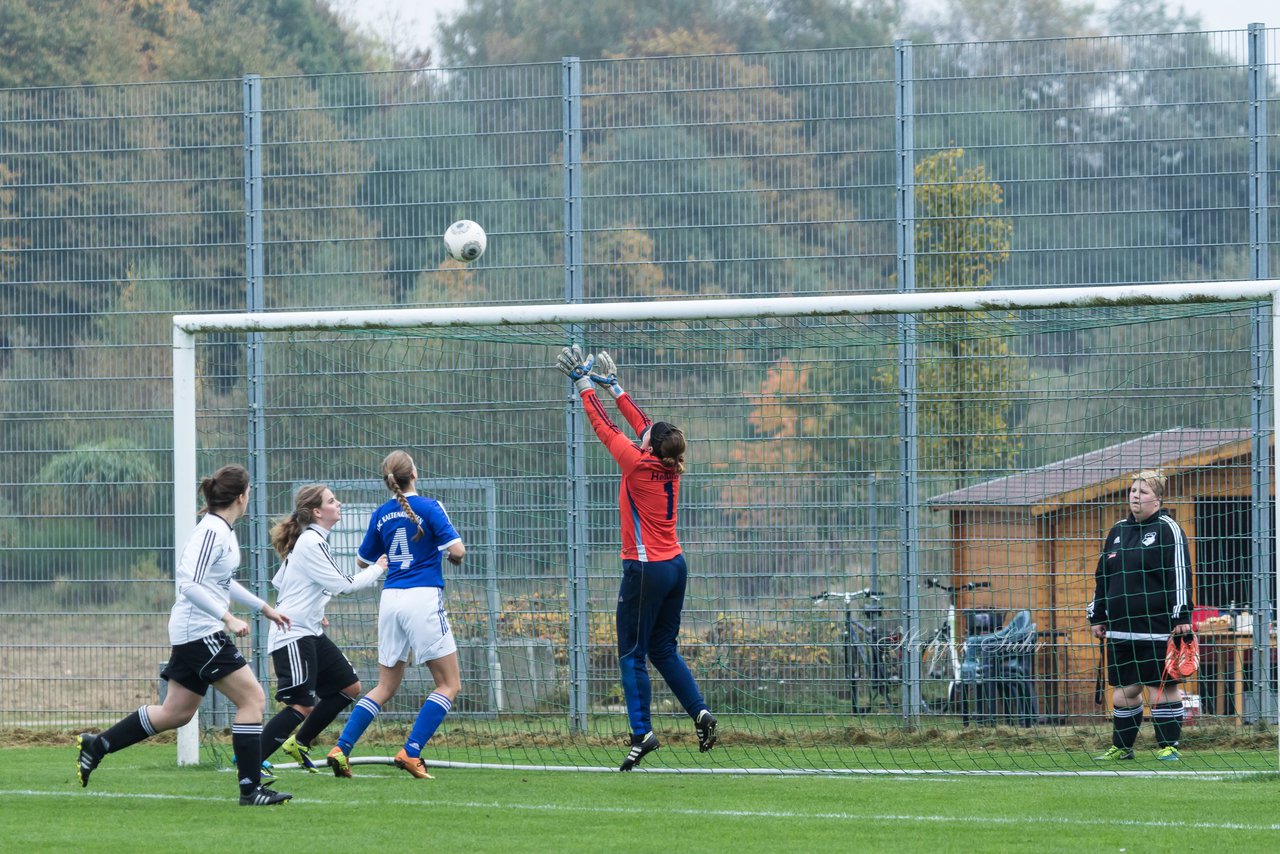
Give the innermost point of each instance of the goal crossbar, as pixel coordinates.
(724, 309)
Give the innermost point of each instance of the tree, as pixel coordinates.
(1000, 20)
(53, 42)
(1133, 147)
(471, 166)
(778, 474)
(778, 202)
(489, 32)
(769, 471)
(967, 367)
(624, 266)
(8, 246)
(118, 478)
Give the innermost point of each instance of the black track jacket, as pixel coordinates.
(1142, 585)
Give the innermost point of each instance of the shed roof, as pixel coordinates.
(1102, 472)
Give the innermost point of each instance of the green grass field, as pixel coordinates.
(139, 800)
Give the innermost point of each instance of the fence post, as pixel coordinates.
(579, 592)
(1262, 690)
(904, 177)
(259, 542)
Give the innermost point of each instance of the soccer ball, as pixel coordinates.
(465, 240)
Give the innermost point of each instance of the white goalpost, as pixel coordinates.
(875, 442)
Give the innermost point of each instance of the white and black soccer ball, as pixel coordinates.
(465, 240)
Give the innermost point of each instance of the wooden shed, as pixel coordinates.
(1036, 537)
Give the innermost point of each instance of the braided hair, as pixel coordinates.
(285, 532)
(398, 475)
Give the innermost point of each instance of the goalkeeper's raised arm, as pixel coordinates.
(605, 373)
(577, 367)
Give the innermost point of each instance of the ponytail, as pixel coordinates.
(668, 445)
(223, 488)
(285, 533)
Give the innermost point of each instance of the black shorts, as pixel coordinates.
(311, 667)
(1137, 662)
(197, 665)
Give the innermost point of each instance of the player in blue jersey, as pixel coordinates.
(200, 630)
(414, 532)
(654, 575)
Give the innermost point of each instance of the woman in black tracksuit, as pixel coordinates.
(1142, 595)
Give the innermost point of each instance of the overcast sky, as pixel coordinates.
(412, 22)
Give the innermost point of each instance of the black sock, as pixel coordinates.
(325, 712)
(278, 729)
(1167, 720)
(1125, 722)
(131, 729)
(246, 743)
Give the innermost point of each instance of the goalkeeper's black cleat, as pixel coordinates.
(90, 755)
(264, 797)
(641, 746)
(705, 725)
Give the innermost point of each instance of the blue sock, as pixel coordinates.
(429, 719)
(361, 716)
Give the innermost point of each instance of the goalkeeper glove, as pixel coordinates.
(605, 373)
(575, 367)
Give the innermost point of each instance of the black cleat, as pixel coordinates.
(90, 755)
(705, 725)
(641, 746)
(264, 797)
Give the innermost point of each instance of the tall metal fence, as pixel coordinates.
(1110, 160)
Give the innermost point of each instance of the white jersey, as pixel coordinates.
(307, 580)
(209, 561)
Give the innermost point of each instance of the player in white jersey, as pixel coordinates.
(200, 630)
(413, 532)
(315, 680)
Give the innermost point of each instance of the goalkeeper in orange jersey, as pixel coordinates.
(654, 574)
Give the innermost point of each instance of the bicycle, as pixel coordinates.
(871, 655)
(942, 651)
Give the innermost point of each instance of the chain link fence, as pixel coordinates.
(1110, 160)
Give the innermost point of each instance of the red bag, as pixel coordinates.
(1182, 656)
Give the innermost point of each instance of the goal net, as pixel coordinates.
(892, 513)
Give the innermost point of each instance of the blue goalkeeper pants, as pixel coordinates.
(648, 621)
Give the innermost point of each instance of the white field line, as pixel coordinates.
(934, 773)
(884, 818)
